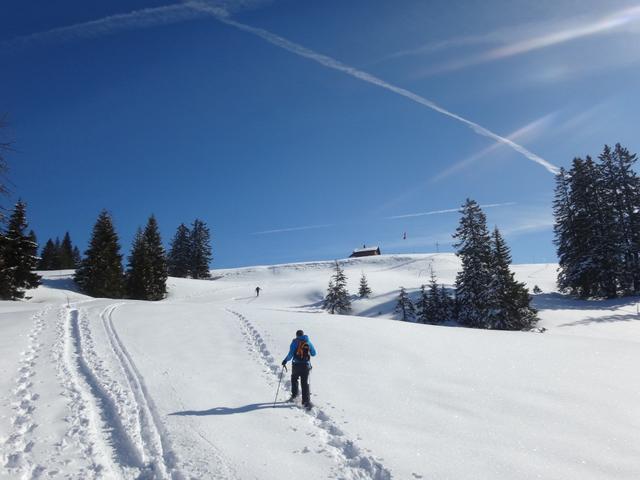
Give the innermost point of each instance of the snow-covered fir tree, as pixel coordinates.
(405, 307)
(364, 291)
(597, 225)
(147, 270)
(510, 301)
(472, 282)
(337, 298)
(422, 306)
(19, 256)
(200, 254)
(77, 258)
(179, 258)
(447, 305)
(100, 273)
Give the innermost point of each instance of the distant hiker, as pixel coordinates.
(300, 353)
(258, 291)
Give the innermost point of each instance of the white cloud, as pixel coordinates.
(540, 36)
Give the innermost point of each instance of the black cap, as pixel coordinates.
(299, 333)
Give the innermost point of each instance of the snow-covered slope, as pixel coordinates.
(184, 388)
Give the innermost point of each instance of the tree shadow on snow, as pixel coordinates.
(608, 319)
(558, 301)
(61, 282)
(232, 410)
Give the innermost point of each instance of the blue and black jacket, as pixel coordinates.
(294, 346)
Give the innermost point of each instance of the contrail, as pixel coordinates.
(367, 77)
(448, 210)
(516, 135)
(292, 229)
(136, 19)
(145, 18)
(219, 10)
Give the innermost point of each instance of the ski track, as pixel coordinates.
(154, 446)
(17, 447)
(352, 462)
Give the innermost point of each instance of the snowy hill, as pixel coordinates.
(184, 388)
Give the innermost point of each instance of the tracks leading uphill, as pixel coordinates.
(17, 447)
(351, 461)
(112, 419)
(154, 448)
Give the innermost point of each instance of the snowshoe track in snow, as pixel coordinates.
(353, 464)
(17, 448)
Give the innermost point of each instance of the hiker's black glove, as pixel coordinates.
(284, 363)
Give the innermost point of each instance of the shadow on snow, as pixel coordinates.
(232, 410)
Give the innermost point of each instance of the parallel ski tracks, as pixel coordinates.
(155, 448)
(352, 462)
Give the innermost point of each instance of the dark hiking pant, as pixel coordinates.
(300, 371)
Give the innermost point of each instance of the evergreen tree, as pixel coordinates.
(77, 258)
(423, 306)
(447, 306)
(156, 261)
(405, 307)
(510, 302)
(147, 269)
(472, 282)
(597, 225)
(331, 299)
(179, 259)
(19, 255)
(57, 263)
(100, 273)
(200, 254)
(6, 278)
(364, 291)
(65, 253)
(337, 299)
(137, 270)
(48, 257)
(621, 199)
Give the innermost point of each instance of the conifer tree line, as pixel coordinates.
(18, 255)
(190, 251)
(57, 255)
(597, 225)
(101, 273)
(487, 295)
(435, 306)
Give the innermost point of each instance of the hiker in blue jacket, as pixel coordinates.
(300, 353)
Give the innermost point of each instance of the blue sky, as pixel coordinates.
(301, 130)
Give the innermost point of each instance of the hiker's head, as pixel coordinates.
(299, 333)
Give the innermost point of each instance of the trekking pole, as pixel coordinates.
(284, 367)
